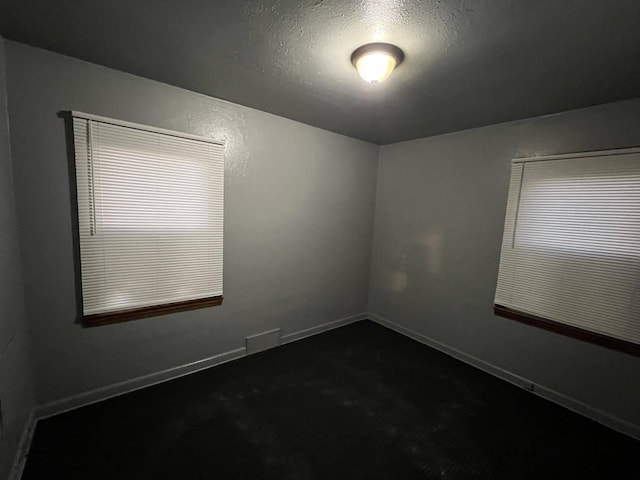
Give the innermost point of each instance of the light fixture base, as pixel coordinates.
(395, 52)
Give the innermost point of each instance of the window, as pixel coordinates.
(570, 258)
(150, 219)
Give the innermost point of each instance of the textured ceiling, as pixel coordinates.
(468, 62)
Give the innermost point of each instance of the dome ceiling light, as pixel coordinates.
(376, 61)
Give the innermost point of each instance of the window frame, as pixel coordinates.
(105, 318)
(560, 327)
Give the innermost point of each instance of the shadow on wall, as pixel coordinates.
(73, 208)
(419, 266)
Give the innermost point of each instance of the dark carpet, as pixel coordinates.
(359, 402)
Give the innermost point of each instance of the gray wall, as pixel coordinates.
(298, 223)
(438, 230)
(16, 395)
(299, 220)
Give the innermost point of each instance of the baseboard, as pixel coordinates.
(121, 388)
(20, 458)
(300, 334)
(572, 404)
(127, 386)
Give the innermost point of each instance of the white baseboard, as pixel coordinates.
(572, 404)
(300, 334)
(103, 393)
(120, 388)
(20, 458)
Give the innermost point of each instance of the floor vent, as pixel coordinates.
(263, 341)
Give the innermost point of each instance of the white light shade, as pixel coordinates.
(376, 61)
(375, 67)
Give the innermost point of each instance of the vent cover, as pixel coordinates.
(263, 341)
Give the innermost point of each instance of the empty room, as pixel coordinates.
(320, 239)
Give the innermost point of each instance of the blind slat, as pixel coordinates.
(150, 208)
(571, 243)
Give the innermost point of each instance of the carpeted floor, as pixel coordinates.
(360, 402)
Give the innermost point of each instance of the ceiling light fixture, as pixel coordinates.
(376, 61)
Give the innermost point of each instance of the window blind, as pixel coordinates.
(571, 244)
(150, 214)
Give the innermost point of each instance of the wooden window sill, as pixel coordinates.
(568, 330)
(144, 312)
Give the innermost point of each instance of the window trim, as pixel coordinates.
(98, 319)
(568, 330)
(571, 331)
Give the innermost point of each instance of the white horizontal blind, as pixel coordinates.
(150, 210)
(571, 244)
